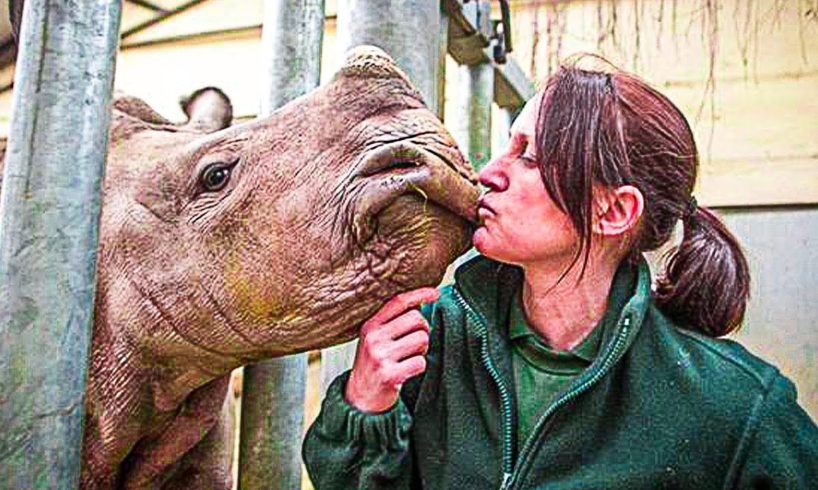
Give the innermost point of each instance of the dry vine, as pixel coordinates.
(750, 18)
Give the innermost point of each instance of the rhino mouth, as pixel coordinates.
(436, 175)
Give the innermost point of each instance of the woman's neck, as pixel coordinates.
(564, 312)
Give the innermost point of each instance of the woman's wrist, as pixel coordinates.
(366, 399)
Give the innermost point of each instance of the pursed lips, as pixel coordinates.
(484, 210)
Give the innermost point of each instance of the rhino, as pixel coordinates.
(227, 245)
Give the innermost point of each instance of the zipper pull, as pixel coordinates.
(506, 481)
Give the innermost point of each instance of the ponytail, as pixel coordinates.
(707, 282)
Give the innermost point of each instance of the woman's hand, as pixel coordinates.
(390, 351)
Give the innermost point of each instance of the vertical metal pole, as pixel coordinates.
(507, 117)
(442, 52)
(272, 406)
(471, 123)
(49, 229)
(409, 32)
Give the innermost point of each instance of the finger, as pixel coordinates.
(408, 322)
(404, 301)
(413, 344)
(409, 368)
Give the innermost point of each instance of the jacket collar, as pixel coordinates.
(487, 285)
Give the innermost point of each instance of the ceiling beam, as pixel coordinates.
(147, 5)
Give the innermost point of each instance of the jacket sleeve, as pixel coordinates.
(349, 449)
(783, 450)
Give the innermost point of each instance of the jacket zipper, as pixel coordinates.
(535, 437)
(509, 473)
(505, 396)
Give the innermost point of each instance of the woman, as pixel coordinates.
(551, 363)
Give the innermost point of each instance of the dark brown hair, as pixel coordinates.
(606, 127)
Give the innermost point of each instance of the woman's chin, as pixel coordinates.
(482, 242)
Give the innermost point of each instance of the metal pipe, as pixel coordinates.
(273, 395)
(471, 121)
(409, 31)
(49, 229)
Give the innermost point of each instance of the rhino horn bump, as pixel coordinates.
(371, 62)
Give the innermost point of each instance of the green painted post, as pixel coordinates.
(506, 119)
(49, 230)
(409, 31)
(272, 406)
(471, 121)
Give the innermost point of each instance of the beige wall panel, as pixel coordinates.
(207, 16)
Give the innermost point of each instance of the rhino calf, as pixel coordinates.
(222, 246)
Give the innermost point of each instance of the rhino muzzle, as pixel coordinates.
(401, 169)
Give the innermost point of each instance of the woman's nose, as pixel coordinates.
(494, 176)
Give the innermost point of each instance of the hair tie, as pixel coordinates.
(690, 209)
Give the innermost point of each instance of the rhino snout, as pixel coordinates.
(401, 169)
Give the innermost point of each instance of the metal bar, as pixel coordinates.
(468, 46)
(505, 11)
(274, 392)
(471, 121)
(506, 119)
(409, 32)
(147, 5)
(443, 48)
(49, 229)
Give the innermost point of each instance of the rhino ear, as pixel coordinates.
(208, 109)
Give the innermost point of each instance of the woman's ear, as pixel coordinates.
(618, 211)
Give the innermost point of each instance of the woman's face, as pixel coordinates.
(520, 224)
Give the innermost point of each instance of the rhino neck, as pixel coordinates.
(135, 391)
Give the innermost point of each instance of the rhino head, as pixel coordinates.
(282, 234)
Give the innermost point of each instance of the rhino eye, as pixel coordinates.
(216, 176)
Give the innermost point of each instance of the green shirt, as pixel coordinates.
(541, 374)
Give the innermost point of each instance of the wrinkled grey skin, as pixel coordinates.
(335, 203)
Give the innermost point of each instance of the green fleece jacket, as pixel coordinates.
(660, 407)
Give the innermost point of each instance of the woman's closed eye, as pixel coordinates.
(528, 153)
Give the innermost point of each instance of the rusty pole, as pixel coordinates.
(272, 406)
(49, 230)
(409, 31)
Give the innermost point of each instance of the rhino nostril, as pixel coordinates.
(391, 158)
(402, 165)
